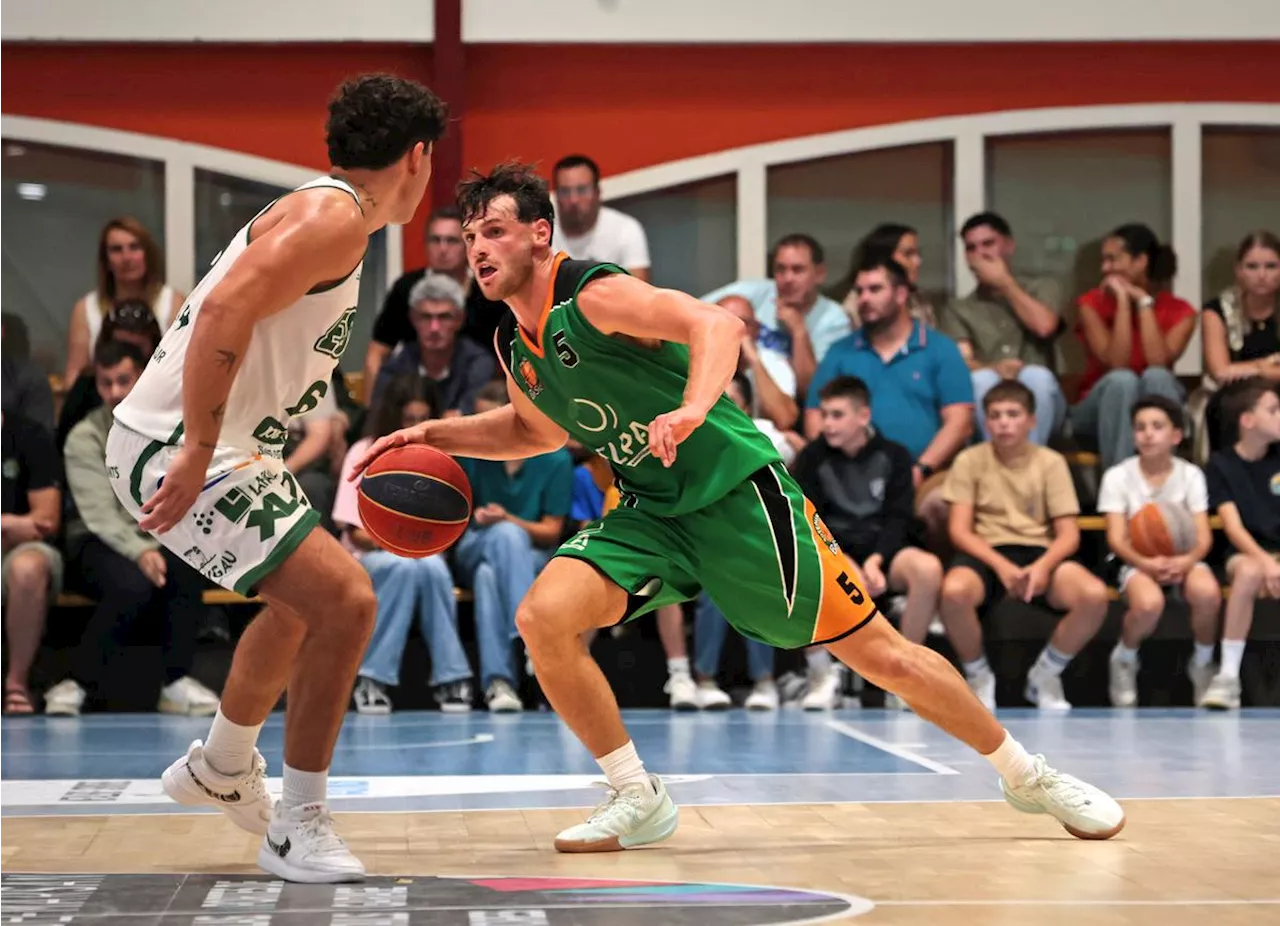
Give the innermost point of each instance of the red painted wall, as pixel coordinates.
(627, 106)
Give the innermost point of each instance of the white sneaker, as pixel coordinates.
(193, 783)
(370, 697)
(1223, 693)
(187, 696)
(301, 845)
(824, 692)
(763, 697)
(635, 815)
(983, 685)
(708, 696)
(1201, 677)
(1124, 682)
(64, 699)
(1083, 810)
(501, 698)
(683, 692)
(1044, 690)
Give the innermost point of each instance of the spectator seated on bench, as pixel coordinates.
(1013, 523)
(1155, 475)
(124, 568)
(1244, 487)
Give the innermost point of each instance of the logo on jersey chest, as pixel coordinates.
(334, 341)
(530, 377)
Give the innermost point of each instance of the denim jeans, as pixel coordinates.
(405, 588)
(1106, 411)
(1051, 405)
(499, 562)
(709, 631)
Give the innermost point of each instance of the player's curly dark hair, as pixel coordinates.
(374, 119)
(519, 181)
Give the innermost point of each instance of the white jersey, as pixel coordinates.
(286, 370)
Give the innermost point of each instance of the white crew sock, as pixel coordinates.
(1013, 762)
(677, 665)
(1203, 655)
(623, 767)
(1232, 653)
(977, 666)
(229, 748)
(818, 660)
(1051, 661)
(303, 788)
(1124, 655)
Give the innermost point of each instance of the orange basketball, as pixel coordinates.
(415, 501)
(1162, 529)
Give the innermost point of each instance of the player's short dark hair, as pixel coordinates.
(1240, 398)
(519, 181)
(375, 119)
(992, 220)
(872, 262)
(577, 160)
(111, 353)
(799, 239)
(1163, 403)
(1010, 390)
(444, 214)
(847, 387)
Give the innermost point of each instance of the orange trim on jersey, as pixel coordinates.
(537, 347)
(844, 605)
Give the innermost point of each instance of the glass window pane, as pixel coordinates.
(839, 200)
(1241, 170)
(1063, 192)
(55, 202)
(692, 231)
(224, 204)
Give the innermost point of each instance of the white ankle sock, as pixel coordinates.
(818, 660)
(1013, 762)
(1125, 655)
(303, 788)
(623, 767)
(1204, 654)
(976, 667)
(1051, 661)
(1232, 653)
(229, 748)
(677, 665)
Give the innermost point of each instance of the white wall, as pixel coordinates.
(674, 21)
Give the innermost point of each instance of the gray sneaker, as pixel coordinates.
(370, 697)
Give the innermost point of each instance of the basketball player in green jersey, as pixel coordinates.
(638, 374)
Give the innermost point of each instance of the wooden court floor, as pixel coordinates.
(1179, 862)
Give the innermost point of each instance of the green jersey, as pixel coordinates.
(605, 390)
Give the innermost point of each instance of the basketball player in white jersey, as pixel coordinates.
(195, 455)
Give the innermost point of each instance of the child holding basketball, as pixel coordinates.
(1013, 523)
(1171, 491)
(1244, 488)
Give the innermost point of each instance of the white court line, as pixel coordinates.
(894, 749)
(1193, 902)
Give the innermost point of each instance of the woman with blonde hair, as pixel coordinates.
(130, 266)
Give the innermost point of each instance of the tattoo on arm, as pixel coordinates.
(226, 359)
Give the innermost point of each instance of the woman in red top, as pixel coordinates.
(1133, 330)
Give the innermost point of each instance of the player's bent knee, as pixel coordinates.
(29, 571)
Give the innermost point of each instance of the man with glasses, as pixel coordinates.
(587, 230)
(446, 256)
(458, 366)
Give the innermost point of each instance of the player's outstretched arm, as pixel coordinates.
(625, 305)
(513, 432)
(311, 240)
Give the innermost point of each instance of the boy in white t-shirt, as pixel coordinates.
(1156, 475)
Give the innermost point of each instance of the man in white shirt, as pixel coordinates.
(794, 317)
(587, 230)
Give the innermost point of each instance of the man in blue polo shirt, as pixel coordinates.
(794, 318)
(921, 391)
(518, 511)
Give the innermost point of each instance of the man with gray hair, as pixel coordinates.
(458, 366)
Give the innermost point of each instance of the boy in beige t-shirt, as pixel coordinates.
(1013, 524)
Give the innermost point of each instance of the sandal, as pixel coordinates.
(17, 701)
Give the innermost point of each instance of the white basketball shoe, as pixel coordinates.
(301, 845)
(1083, 810)
(191, 781)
